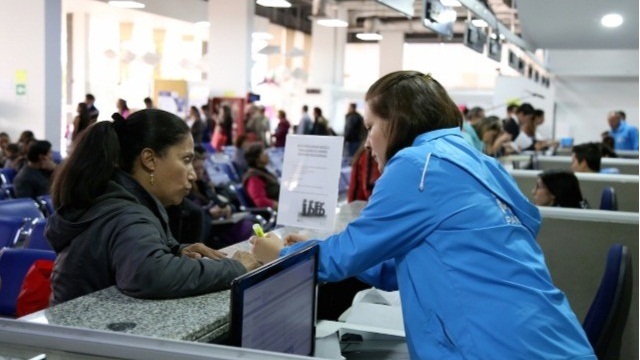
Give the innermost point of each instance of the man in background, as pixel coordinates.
(586, 157)
(305, 125)
(89, 99)
(625, 136)
(353, 130)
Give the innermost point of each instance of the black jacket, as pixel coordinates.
(124, 240)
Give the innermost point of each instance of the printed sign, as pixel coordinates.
(309, 185)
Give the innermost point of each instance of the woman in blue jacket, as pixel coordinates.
(448, 228)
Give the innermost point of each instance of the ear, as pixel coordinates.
(148, 159)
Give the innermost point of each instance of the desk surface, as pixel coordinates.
(198, 318)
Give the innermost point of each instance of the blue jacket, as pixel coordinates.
(625, 137)
(449, 228)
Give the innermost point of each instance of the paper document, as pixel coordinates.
(309, 184)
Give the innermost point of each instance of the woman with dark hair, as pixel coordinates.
(262, 186)
(448, 227)
(222, 131)
(110, 225)
(123, 108)
(558, 188)
(194, 120)
(81, 121)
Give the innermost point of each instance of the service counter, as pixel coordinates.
(203, 318)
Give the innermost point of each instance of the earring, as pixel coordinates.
(152, 179)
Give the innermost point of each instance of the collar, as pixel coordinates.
(435, 134)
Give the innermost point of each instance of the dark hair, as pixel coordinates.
(413, 103)
(253, 154)
(90, 97)
(148, 100)
(512, 108)
(487, 124)
(591, 152)
(525, 109)
(474, 112)
(26, 137)
(37, 148)
(608, 144)
(123, 103)
(622, 114)
(107, 146)
(199, 152)
(564, 186)
(84, 120)
(240, 139)
(317, 110)
(13, 148)
(538, 113)
(305, 108)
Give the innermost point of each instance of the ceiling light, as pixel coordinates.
(202, 24)
(274, 3)
(452, 3)
(261, 35)
(127, 4)
(369, 36)
(479, 23)
(332, 22)
(611, 20)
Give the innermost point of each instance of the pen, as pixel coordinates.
(257, 229)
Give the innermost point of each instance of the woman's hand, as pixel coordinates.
(294, 238)
(200, 250)
(266, 248)
(247, 259)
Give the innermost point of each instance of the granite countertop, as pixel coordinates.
(197, 318)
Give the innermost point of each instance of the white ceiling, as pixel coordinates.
(575, 24)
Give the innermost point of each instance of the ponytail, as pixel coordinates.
(85, 174)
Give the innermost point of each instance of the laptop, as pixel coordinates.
(273, 308)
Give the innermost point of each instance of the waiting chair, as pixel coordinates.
(46, 206)
(35, 238)
(607, 316)
(14, 264)
(608, 199)
(7, 175)
(10, 230)
(266, 216)
(24, 207)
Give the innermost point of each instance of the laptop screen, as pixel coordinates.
(273, 307)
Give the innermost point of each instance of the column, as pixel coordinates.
(391, 51)
(230, 47)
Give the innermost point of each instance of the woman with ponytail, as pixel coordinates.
(110, 226)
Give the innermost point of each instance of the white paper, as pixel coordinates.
(309, 184)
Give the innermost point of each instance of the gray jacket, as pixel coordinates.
(124, 240)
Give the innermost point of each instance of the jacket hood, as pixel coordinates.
(67, 223)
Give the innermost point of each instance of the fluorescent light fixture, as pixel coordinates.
(451, 3)
(202, 24)
(611, 20)
(274, 3)
(260, 35)
(369, 36)
(479, 23)
(332, 22)
(127, 4)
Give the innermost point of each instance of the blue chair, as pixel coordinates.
(610, 170)
(608, 199)
(46, 206)
(57, 157)
(25, 207)
(7, 175)
(607, 315)
(10, 230)
(227, 168)
(14, 264)
(35, 238)
(7, 191)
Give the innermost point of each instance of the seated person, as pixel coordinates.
(215, 207)
(110, 224)
(11, 154)
(490, 132)
(558, 188)
(586, 157)
(364, 173)
(262, 186)
(34, 179)
(238, 160)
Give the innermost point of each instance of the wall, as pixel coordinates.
(40, 106)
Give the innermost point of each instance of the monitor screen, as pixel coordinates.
(273, 308)
(404, 6)
(475, 38)
(438, 17)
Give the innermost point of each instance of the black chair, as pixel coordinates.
(607, 316)
(608, 199)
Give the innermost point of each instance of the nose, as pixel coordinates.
(191, 174)
(367, 143)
